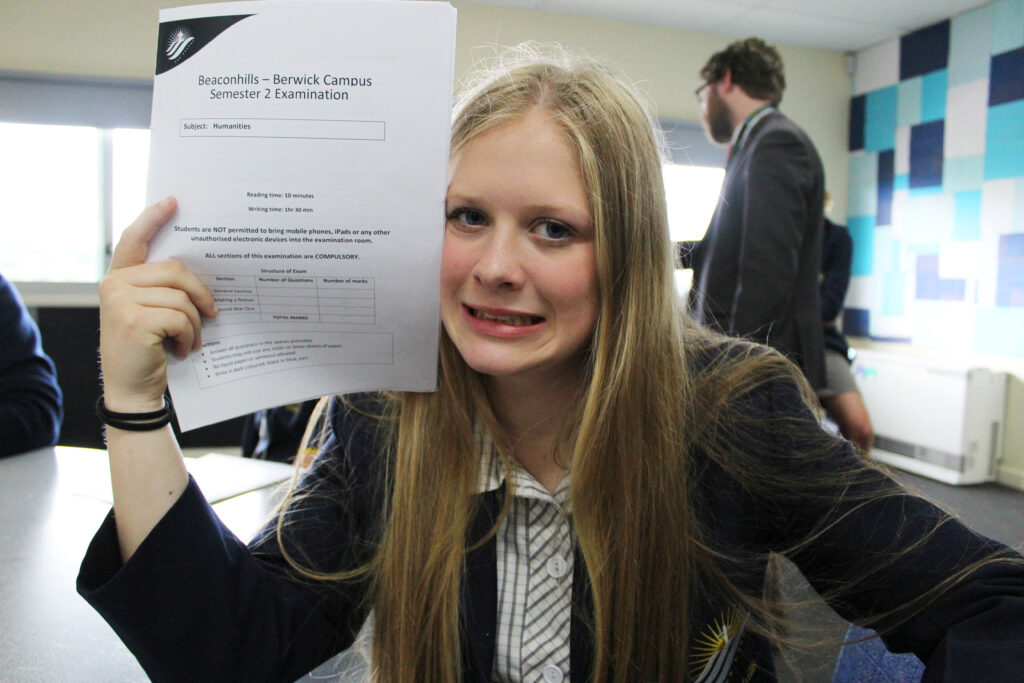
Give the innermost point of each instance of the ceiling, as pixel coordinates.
(845, 25)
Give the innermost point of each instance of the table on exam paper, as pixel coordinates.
(49, 511)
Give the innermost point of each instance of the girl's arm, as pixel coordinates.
(145, 308)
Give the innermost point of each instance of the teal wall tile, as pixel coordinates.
(999, 330)
(933, 95)
(862, 229)
(962, 174)
(1007, 25)
(925, 218)
(967, 218)
(863, 194)
(1004, 141)
(918, 248)
(901, 181)
(908, 107)
(1017, 217)
(880, 119)
(893, 293)
(882, 252)
(969, 39)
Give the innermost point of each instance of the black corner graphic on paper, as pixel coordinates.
(179, 40)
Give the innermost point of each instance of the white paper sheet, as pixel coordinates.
(307, 144)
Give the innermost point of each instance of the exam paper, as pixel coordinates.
(307, 145)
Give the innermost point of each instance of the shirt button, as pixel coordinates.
(556, 567)
(552, 674)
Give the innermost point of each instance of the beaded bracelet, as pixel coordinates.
(134, 422)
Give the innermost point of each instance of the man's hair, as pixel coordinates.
(755, 66)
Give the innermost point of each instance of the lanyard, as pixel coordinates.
(748, 125)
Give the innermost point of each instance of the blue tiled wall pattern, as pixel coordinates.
(1011, 270)
(926, 155)
(886, 179)
(937, 186)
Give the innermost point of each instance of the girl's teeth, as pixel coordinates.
(515, 320)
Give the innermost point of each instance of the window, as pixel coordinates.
(692, 193)
(49, 203)
(62, 190)
(130, 156)
(693, 182)
(74, 165)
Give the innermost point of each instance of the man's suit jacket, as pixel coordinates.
(756, 270)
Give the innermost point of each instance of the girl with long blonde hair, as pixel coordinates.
(596, 491)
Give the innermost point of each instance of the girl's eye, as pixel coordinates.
(471, 217)
(553, 230)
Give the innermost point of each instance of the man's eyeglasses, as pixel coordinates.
(701, 93)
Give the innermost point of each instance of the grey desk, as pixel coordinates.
(47, 632)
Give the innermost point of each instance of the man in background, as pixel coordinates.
(755, 273)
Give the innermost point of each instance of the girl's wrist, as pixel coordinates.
(135, 420)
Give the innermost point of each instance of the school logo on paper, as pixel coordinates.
(179, 41)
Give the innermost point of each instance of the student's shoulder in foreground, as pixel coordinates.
(31, 406)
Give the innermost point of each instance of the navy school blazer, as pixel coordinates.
(195, 603)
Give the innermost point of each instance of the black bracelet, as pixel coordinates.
(134, 422)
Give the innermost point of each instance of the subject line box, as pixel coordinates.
(317, 129)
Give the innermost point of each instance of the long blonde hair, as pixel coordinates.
(628, 483)
(628, 441)
(655, 391)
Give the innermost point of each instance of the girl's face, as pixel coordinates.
(518, 275)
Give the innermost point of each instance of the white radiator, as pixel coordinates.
(939, 419)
